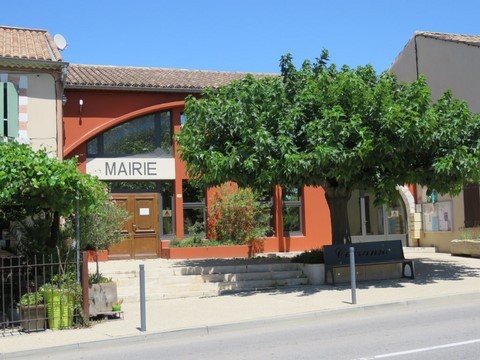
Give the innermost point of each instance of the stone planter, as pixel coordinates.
(315, 273)
(465, 247)
(101, 298)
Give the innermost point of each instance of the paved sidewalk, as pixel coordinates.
(437, 276)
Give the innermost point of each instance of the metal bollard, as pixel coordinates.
(353, 278)
(143, 317)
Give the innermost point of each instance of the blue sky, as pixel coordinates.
(241, 35)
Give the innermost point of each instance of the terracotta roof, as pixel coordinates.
(102, 76)
(27, 44)
(460, 38)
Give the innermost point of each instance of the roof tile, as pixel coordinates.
(148, 78)
(30, 44)
(461, 38)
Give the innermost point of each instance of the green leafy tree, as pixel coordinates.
(33, 183)
(338, 128)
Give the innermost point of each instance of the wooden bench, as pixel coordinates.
(373, 261)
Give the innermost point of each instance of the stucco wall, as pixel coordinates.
(404, 65)
(441, 240)
(446, 65)
(42, 113)
(450, 65)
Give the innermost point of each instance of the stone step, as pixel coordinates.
(253, 276)
(200, 281)
(238, 286)
(225, 269)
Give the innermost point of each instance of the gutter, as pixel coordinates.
(32, 63)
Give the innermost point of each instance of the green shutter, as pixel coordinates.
(12, 110)
(2, 115)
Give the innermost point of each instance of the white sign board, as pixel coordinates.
(144, 211)
(132, 168)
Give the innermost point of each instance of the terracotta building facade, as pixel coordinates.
(119, 122)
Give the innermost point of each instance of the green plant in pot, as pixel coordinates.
(63, 297)
(101, 228)
(102, 294)
(32, 311)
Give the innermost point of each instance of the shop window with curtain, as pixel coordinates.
(9, 109)
(292, 211)
(194, 209)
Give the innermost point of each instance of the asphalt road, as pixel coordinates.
(440, 330)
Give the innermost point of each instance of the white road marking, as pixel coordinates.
(413, 351)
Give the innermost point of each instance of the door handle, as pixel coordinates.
(134, 227)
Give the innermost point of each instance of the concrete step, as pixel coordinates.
(414, 250)
(226, 287)
(253, 276)
(201, 281)
(225, 269)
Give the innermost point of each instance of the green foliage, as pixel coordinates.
(33, 180)
(339, 128)
(236, 216)
(97, 278)
(314, 256)
(32, 298)
(102, 227)
(470, 234)
(194, 241)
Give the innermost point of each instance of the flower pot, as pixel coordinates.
(101, 298)
(102, 255)
(60, 306)
(33, 317)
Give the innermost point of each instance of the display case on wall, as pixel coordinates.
(437, 217)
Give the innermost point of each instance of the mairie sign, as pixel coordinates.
(132, 168)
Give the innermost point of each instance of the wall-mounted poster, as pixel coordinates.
(438, 216)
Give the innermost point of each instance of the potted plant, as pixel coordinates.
(313, 265)
(101, 228)
(62, 297)
(102, 294)
(32, 311)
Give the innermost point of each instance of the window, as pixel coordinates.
(193, 207)
(292, 211)
(166, 207)
(9, 109)
(266, 200)
(149, 135)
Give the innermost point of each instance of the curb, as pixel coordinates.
(219, 328)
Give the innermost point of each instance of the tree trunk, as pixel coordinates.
(337, 199)
(54, 230)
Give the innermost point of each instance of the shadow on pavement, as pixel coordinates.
(427, 271)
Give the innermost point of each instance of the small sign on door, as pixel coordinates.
(144, 211)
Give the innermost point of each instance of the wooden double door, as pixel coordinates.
(141, 231)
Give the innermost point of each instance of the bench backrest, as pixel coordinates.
(369, 252)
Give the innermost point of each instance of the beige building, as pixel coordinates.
(32, 74)
(448, 61)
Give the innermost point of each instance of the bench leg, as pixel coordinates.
(408, 270)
